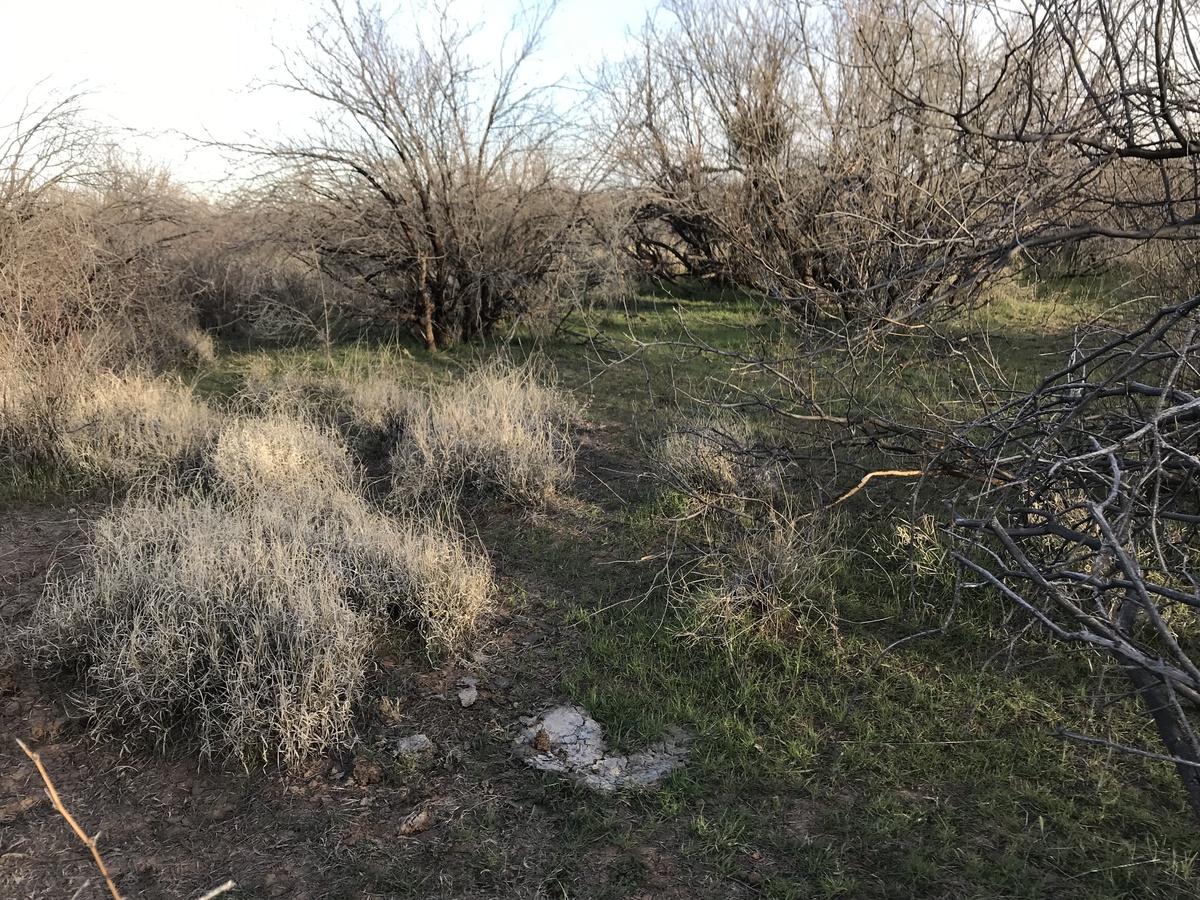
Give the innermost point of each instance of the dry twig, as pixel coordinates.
(62, 811)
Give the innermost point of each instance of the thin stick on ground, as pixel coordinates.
(219, 890)
(62, 810)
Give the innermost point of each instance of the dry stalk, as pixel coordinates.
(91, 842)
(62, 811)
(219, 890)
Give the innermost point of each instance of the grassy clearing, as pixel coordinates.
(825, 767)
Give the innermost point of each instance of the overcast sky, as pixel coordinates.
(166, 67)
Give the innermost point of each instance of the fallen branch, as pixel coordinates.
(90, 842)
(62, 810)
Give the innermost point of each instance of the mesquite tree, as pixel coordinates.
(432, 183)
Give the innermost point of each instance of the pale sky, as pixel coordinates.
(163, 66)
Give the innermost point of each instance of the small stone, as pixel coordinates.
(415, 823)
(413, 745)
(501, 683)
(468, 695)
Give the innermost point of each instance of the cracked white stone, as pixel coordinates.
(566, 739)
(470, 691)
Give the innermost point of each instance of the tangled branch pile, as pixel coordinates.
(1092, 520)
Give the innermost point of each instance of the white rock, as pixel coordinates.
(413, 745)
(578, 748)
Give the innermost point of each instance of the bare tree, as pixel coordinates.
(45, 153)
(885, 158)
(1090, 110)
(770, 153)
(929, 144)
(433, 184)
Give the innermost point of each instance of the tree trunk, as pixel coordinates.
(1157, 701)
(425, 320)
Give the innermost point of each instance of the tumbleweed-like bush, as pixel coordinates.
(773, 580)
(497, 430)
(243, 615)
(123, 427)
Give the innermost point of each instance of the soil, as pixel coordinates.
(466, 819)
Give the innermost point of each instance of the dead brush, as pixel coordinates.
(126, 427)
(243, 616)
(497, 430)
(774, 581)
(281, 455)
(368, 407)
(268, 388)
(121, 428)
(718, 463)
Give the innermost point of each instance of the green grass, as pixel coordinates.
(923, 764)
(932, 770)
(824, 767)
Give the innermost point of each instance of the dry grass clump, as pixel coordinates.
(717, 460)
(20, 428)
(38, 388)
(774, 581)
(293, 392)
(382, 405)
(283, 456)
(497, 430)
(244, 616)
(69, 412)
(359, 402)
(123, 427)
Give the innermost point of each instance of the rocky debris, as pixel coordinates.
(470, 690)
(415, 822)
(413, 745)
(566, 739)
